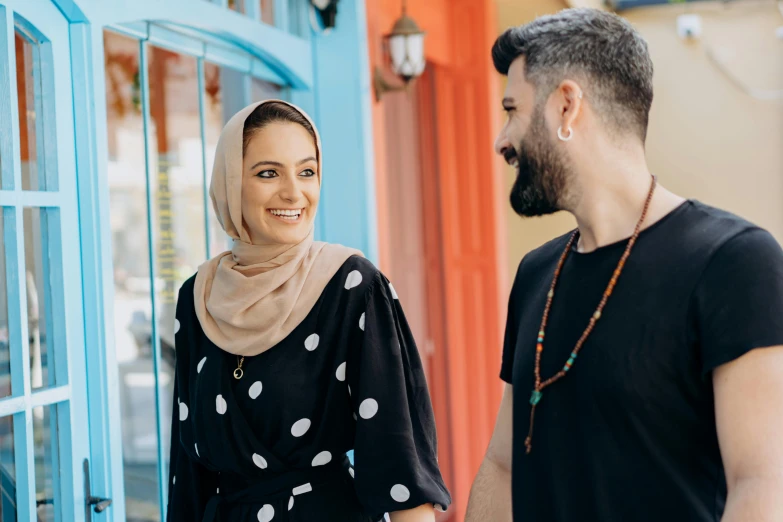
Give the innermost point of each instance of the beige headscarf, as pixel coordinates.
(252, 297)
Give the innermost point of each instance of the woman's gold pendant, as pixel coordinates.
(238, 373)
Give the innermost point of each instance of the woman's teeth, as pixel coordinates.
(291, 215)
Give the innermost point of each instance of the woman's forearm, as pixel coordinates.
(424, 513)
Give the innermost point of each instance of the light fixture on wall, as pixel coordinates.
(327, 10)
(405, 49)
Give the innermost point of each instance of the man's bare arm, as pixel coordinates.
(490, 496)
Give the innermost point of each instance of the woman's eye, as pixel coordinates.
(267, 174)
(309, 173)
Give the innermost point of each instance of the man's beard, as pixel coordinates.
(542, 173)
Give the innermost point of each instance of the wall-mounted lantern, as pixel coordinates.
(404, 47)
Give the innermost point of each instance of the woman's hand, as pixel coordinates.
(424, 513)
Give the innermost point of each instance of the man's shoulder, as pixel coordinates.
(707, 230)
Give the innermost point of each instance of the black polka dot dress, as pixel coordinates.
(272, 445)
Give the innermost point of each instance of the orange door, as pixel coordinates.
(439, 213)
(414, 257)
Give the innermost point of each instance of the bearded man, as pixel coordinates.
(642, 356)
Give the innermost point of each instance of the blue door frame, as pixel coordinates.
(55, 201)
(328, 75)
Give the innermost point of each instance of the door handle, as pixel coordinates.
(98, 504)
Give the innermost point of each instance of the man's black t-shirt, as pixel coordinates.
(629, 434)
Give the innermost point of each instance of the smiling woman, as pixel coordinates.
(292, 352)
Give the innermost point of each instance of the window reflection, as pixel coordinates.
(5, 352)
(266, 8)
(268, 11)
(47, 470)
(218, 109)
(132, 298)
(263, 90)
(237, 5)
(37, 283)
(7, 471)
(214, 119)
(29, 89)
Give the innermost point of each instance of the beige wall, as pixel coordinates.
(708, 139)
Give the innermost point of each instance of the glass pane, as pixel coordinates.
(7, 471)
(178, 194)
(47, 477)
(263, 90)
(268, 11)
(132, 297)
(28, 84)
(224, 96)
(215, 117)
(5, 354)
(38, 284)
(237, 5)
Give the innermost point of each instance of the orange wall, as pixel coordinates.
(466, 104)
(381, 15)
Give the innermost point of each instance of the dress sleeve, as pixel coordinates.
(191, 485)
(395, 449)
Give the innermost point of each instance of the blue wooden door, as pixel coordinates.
(44, 436)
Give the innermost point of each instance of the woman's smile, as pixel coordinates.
(290, 216)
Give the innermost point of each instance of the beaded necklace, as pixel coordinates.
(538, 389)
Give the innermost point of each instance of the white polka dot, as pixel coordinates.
(350, 470)
(386, 517)
(393, 291)
(400, 493)
(440, 508)
(361, 322)
(349, 389)
(266, 513)
(301, 490)
(220, 405)
(218, 491)
(183, 411)
(368, 408)
(341, 372)
(300, 427)
(354, 280)
(176, 325)
(311, 343)
(201, 365)
(255, 390)
(355, 417)
(290, 503)
(196, 446)
(322, 459)
(259, 461)
(174, 481)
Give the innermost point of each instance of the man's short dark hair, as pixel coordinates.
(596, 47)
